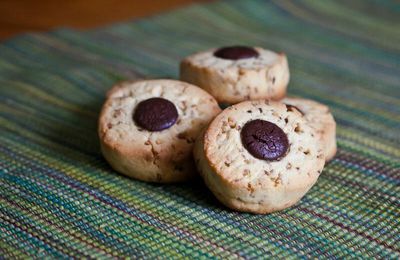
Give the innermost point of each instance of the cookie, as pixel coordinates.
(238, 73)
(259, 156)
(147, 128)
(319, 118)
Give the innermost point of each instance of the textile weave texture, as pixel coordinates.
(59, 197)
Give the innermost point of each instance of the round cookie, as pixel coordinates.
(319, 118)
(147, 128)
(259, 156)
(238, 73)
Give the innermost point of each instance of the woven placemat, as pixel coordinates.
(59, 198)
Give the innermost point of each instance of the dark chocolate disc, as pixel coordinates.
(236, 53)
(155, 114)
(291, 107)
(264, 140)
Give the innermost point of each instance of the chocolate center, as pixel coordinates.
(264, 140)
(236, 53)
(291, 107)
(155, 114)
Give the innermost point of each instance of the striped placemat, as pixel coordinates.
(60, 199)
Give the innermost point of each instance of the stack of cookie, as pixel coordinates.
(260, 154)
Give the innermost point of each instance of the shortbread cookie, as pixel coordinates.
(259, 156)
(147, 128)
(238, 73)
(319, 118)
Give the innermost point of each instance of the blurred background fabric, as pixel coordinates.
(60, 199)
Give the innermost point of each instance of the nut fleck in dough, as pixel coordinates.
(155, 156)
(234, 80)
(319, 118)
(245, 183)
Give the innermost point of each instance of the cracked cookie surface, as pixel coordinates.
(319, 118)
(246, 183)
(155, 156)
(234, 80)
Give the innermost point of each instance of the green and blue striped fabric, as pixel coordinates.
(60, 199)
